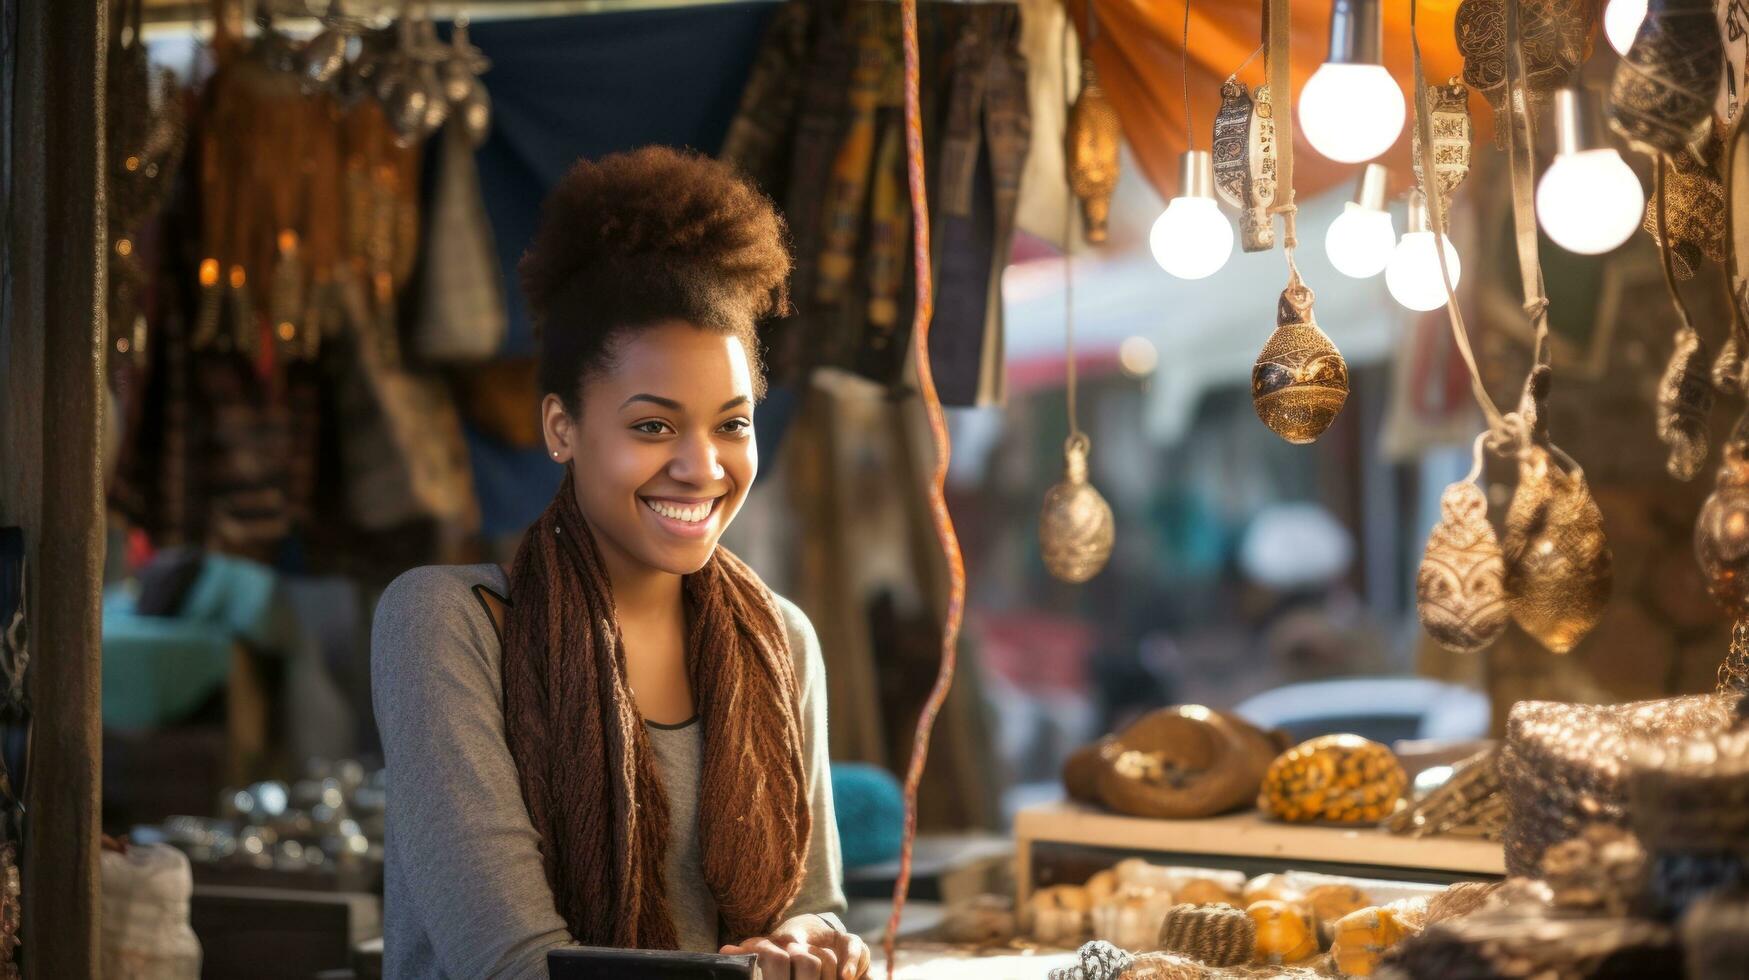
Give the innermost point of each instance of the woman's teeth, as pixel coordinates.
(690, 513)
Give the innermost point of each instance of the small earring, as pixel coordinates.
(555, 454)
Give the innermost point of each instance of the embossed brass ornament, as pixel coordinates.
(1661, 98)
(1460, 588)
(1558, 566)
(1075, 528)
(1449, 120)
(1555, 36)
(1721, 532)
(1256, 226)
(1093, 137)
(1696, 198)
(1232, 142)
(1300, 380)
(1685, 397)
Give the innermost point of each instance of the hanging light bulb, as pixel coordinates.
(1351, 108)
(1621, 21)
(1589, 200)
(1360, 240)
(1192, 239)
(1413, 275)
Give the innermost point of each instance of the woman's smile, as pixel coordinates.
(690, 517)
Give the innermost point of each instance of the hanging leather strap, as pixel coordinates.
(1736, 160)
(1278, 60)
(1521, 162)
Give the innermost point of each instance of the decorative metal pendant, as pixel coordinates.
(1232, 143)
(1449, 119)
(1721, 532)
(1093, 139)
(1461, 586)
(1300, 380)
(1256, 225)
(1696, 198)
(1685, 396)
(1558, 569)
(1727, 373)
(1662, 96)
(1075, 528)
(1555, 36)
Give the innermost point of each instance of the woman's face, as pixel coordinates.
(663, 447)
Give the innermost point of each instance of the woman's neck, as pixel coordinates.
(639, 591)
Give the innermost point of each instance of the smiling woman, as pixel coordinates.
(642, 719)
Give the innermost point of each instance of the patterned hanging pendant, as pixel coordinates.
(1721, 532)
(1256, 225)
(1661, 98)
(1727, 373)
(1232, 143)
(1685, 397)
(1300, 380)
(1449, 119)
(1075, 528)
(1461, 586)
(1558, 570)
(1696, 198)
(1094, 136)
(1555, 36)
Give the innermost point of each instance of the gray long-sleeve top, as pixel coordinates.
(464, 894)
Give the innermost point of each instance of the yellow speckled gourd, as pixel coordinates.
(1363, 937)
(1336, 778)
(1284, 932)
(1332, 902)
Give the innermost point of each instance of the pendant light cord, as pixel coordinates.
(944, 531)
(1277, 32)
(1069, 235)
(1666, 263)
(1184, 76)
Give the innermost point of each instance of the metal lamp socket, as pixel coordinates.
(1357, 33)
(1578, 121)
(1370, 192)
(1196, 174)
(1417, 218)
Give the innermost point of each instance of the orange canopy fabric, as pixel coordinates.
(1138, 51)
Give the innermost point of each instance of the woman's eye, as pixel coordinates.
(738, 426)
(652, 427)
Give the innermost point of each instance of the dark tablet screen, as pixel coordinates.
(596, 963)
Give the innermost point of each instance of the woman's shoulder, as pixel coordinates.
(436, 612)
(803, 643)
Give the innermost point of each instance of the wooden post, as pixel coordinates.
(52, 351)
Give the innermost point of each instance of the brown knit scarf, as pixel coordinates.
(584, 759)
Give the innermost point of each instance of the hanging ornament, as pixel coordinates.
(1727, 372)
(1695, 199)
(1661, 99)
(1685, 396)
(1232, 143)
(1256, 226)
(1093, 140)
(1449, 118)
(1075, 527)
(1558, 568)
(1460, 588)
(1556, 39)
(1300, 380)
(1721, 532)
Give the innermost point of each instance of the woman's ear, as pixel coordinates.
(556, 426)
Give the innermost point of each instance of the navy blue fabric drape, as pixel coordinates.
(584, 86)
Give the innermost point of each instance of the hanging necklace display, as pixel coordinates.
(1460, 588)
(1299, 381)
(1449, 120)
(1094, 138)
(1558, 568)
(1075, 525)
(1661, 99)
(1555, 41)
(1685, 392)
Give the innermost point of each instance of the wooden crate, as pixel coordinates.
(1252, 843)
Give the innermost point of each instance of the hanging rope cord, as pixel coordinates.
(1076, 437)
(1184, 76)
(944, 532)
(1277, 60)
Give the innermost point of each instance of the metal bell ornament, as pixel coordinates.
(1244, 161)
(1558, 566)
(1661, 99)
(1075, 526)
(1460, 589)
(1721, 532)
(1094, 136)
(1556, 40)
(1685, 397)
(1232, 139)
(1300, 380)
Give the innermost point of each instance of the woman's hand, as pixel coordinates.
(806, 948)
